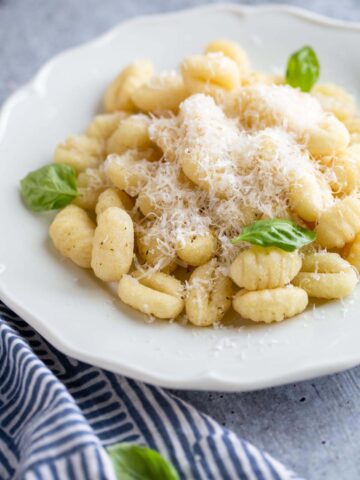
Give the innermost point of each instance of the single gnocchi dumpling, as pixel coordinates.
(118, 94)
(112, 197)
(232, 50)
(197, 249)
(271, 305)
(163, 92)
(90, 184)
(326, 275)
(72, 233)
(309, 196)
(155, 294)
(209, 295)
(328, 137)
(132, 133)
(335, 99)
(103, 126)
(113, 246)
(258, 268)
(209, 73)
(80, 152)
(339, 224)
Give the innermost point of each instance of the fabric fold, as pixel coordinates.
(57, 414)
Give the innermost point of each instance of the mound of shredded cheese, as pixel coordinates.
(219, 173)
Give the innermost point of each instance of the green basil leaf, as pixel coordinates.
(277, 232)
(303, 69)
(49, 188)
(133, 462)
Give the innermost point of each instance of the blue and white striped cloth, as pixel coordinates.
(58, 414)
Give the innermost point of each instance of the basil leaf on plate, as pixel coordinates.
(303, 69)
(276, 232)
(133, 462)
(50, 187)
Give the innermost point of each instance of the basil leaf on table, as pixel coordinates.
(133, 462)
(303, 69)
(49, 188)
(276, 232)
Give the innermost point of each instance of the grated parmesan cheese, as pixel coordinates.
(233, 175)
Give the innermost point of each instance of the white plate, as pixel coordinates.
(77, 313)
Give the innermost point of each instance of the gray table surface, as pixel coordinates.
(313, 426)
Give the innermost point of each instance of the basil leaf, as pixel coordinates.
(303, 69)
(49, 187)
(277, 232)
(133, 462)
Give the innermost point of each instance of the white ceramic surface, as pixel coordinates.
(81, 316)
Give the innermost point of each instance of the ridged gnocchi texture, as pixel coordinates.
(209, 73)
(258, 268)
(309, 196)
(270, 305)
(326, 275)
(352, 254)
(345, 168)
(132, 133)
(197, 250)
(113, 246)
(90, 184)
(329, 137)
(335, 99)
(209, 295)
(72, 233)
(118, 94)
(231, 50)
(161, 93)
(155, 294)
(80, 152)
(339, 224)
(112, 197)
(103, 126)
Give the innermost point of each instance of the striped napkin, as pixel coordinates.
(58, 414)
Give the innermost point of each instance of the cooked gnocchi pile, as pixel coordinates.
(213, 188)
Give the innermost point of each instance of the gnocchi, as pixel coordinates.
(210, 73)
(197, 250)
(209, 295)
(91, 183)
(80, 152)
(72, 233)
(113, 246)
(104, 125)
(259, 268)
(231, 50)
(111, 197)
(326, 275)
(157, 295)
(339, 224)
(161, 93)
(118, 94)
(270, 305)
(180, 172)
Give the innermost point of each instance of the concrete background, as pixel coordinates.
(313, 427)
